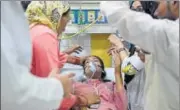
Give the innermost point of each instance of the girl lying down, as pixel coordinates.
(96, 93)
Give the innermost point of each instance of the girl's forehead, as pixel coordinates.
(92, 58)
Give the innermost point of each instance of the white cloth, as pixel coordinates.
(136, 62)
(161, 38)
(135, 88)
(20, 90)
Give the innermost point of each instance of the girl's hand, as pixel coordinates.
(76, 48)
(114, 40)
(112, 49)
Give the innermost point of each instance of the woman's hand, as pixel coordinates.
(76, 48)
(120, 50)
(65, 79)
(93, 99)
(112, 49)
(115, 41)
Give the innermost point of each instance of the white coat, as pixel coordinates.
(20, 90)
(161, 38)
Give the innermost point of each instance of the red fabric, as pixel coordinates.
(68, 103)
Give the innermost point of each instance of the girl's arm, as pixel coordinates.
(120, 98)
(65, 58)
(76, 60)
(118, 75)
(76, 48)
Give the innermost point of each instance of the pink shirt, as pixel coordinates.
(46, 54)
(109, 97)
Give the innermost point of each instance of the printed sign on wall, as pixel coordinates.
(81, 17)
(87, 16)
(74, 17)
(91, 16)
(73, 20)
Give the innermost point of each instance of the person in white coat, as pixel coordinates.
(20, 90)
(161, 39)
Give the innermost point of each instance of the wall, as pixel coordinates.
(99, 47)
(100, 28)
(84, 4)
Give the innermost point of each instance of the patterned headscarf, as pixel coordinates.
(46, 12)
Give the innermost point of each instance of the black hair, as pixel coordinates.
(103, 74)
(132, 50)
(149, 7)
(65, 13)
(25, 4)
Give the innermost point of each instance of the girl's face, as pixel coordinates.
(87, 68)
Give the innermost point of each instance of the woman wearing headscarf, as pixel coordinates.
(48, 20)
